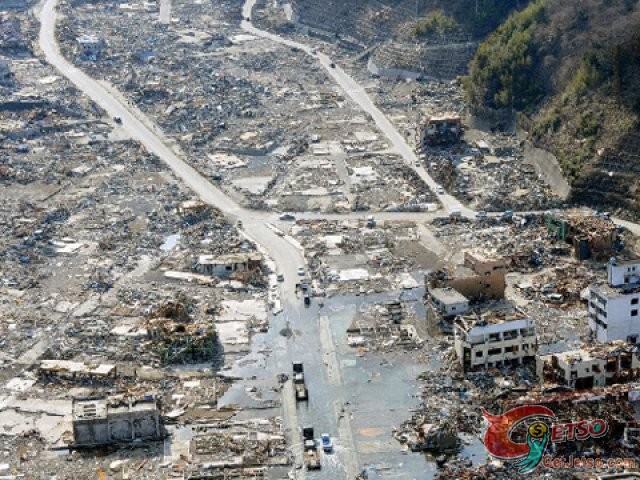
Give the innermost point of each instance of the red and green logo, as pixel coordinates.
(540, 432)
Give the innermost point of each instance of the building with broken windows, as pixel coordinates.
(614, 306)
(589, 367)
(494, 339)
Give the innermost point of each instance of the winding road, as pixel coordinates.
(316, 347)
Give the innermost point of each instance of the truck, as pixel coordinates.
(302, 394)
(311, 458)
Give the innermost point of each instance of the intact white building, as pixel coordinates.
(614, 307)
(449, 302)
(496, 339)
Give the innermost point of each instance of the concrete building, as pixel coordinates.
(102, 422)
(448, 301)
(224, 266)
(596, 366)
(484, 277)
(441, 129)
(481, 277)
(614, 306)
(90, 46)
(495, 339)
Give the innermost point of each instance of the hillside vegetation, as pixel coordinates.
(572, 70)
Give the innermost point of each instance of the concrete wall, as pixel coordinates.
(485, 286)
(395, 73)
(90, 432)
(546, 165)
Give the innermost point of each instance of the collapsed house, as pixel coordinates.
(440, 130)
(225, 266)
(176, 338)
(614, 305)
(106, 421)
(589, 367)
(69, 370)
(494, 339)
(591, 236)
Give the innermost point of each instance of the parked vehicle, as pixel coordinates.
(327, 443)
(302, 394)
(311, 458)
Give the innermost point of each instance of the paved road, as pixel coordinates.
(329, 391)
(165, 11)
(358, 94)
(306, 344)
(281, 251)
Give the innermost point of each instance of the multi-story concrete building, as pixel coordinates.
(494, 339)
(614, 307)
(589, 367)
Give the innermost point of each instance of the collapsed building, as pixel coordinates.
(177, 338)
(493, 339)
(105, 421)
(70, 370)
(440, 130)
(614, 305)
(225, 266)
(90, 46)
(590, 236)
(589, 367)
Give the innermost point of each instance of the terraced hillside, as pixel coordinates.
(371, 20)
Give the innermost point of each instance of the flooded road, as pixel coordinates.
(357, 398)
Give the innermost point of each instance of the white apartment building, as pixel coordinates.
(497, 339)
(614, 307)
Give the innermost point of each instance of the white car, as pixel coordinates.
(301, 271)
(481, 214)
(440, 190)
